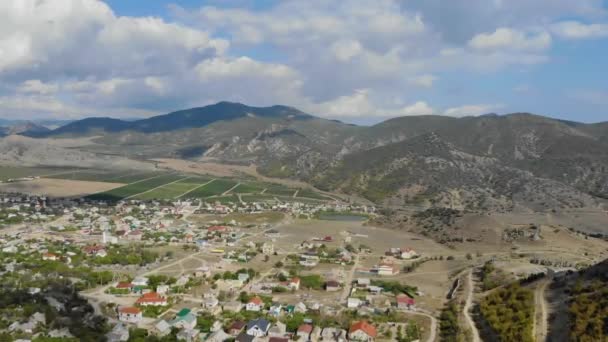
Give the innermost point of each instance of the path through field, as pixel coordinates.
(541, 314)
(467, 307)
(156, 188)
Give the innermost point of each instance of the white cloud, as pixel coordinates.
(426, 81)
(577, 30)
(510, 39)
(359, 104)
(471, 110)
(37, 87)
(344, 50)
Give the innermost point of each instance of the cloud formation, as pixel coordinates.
(347, 59)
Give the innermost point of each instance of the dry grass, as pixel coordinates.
(58, 187)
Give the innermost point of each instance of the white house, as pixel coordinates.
(353, 303)
(130, 314)
(255, 304)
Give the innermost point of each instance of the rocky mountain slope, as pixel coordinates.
(491, 161)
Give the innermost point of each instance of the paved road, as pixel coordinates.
(467, 307)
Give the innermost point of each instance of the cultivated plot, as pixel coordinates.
(174, 190)
(136, 188)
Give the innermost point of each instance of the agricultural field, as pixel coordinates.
(136, 188)
(215, 188)
(174, 190)
(125, 177)
(150, 185)
(10, 172)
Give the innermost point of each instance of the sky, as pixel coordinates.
(358, 61)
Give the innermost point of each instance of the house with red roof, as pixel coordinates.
(130, 314)
(124, 285)
(255, 304)
(304, 331)
(362, 331)
(405, 302)
(151, 299)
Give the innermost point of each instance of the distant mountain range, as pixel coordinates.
(516, 161)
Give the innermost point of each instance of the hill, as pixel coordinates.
(497, 162)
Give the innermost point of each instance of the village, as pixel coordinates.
(196, 271)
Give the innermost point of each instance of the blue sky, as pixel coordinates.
(355, 60)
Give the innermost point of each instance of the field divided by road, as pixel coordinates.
(136, 188)
(174, 190)
(159, 185)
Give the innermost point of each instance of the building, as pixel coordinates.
(267, 248)
(236, 327)
(255, 304)
(184, 319)
(120, 333)
(294, 284)
(130, 314)
(304, 332)
(257, 327)
(362, 331)
(353, 302)
(50, 256)
(151, 299)
(387, 269)
(408, 253)
(405, 302)
(332, 286)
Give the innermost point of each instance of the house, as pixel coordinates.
(257, 327)
(210, 303)
(332, 286)
(353, 302)
(243, 337)
(124, 285)
(120, 333)
(294, 284)
(162, 289)
(278, 339)
(218, 336)
(188, 335)
(362, 331)
(255, 304)
(130, 314)
(162, 328)
(244, 277)
(50, 256)
(363, 283)
(151, 299)
(387, 269)
(140, 281)
(333, 334)
(405, 302)
(304, 331)
(93, 249)
(277, 330)
(408, 253)
(267, 248)
(236, 327)
(184, 319)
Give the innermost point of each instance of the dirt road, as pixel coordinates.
(541, 314)
(467, 307)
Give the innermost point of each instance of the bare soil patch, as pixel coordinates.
(58, 187)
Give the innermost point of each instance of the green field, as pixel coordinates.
(280, 191)
(125, 177)
(215, 188)
(249, 188)
(174, 190)
(135, 188)
(8, 172)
